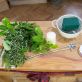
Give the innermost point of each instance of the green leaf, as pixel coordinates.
(2, 33)
(53, 46)
(22, 24)
(7, 23)
(6, 45)
(14, 23)
(2, 27)
(38, 30)
(37, 39)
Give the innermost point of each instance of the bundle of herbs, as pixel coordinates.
(20, 37)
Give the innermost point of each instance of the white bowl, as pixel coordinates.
(58, 23)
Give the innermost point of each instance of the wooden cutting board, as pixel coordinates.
(62, 61)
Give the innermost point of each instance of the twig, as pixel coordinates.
(69, 46)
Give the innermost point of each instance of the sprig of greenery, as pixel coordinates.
(21, 37)
(6, 27)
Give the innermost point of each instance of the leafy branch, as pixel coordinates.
(21, 37)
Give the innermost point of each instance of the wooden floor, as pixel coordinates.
(41, 12)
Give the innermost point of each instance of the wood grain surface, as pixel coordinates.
(62, 61)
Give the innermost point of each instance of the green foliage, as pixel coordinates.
(6, 27)
(6, 45)
(19, 38)
(38, 31)
(52, 46)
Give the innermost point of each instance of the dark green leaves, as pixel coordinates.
(19, 38)
(15, 46)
